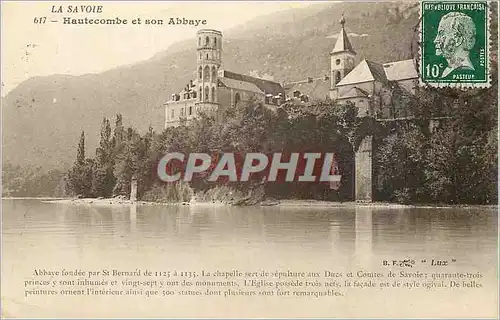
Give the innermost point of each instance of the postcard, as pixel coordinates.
(244, 159)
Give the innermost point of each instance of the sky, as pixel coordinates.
(34, 49)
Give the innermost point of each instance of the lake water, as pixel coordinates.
(192, 238)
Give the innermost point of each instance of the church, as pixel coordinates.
(369, 85)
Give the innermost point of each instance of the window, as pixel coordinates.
(207, 56)
(237, 98)
(215, 42)
(200, 73)
(207, 41)
(206, 93)
(182, 112)
(337, 77)
(172, 115)
(213, 94)
(199, 41)
(337, 61)
(214, 73)
(206, 73)
(190, 110)
(201, 92)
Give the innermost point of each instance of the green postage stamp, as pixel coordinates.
(454, 49)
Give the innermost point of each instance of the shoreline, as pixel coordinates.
(288, 203)
(36, 198)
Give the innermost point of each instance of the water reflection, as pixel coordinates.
(364, 235)
(361, 232)
(133, 218)
(366, 228)
(249, 238)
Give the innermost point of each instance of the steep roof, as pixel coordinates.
(343, 44)
(353, 92)
(318, 89)
(365, 71)
(240, 85)
(266, 86)
(400, 70)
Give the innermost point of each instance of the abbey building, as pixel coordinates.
(367, 84)
(214, 88)
(378, 90)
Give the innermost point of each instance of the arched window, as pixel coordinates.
(213, 94)
(200, 73)
(215, 42)
(207, 91)
(214, 73)
(237, 98)
(207, 41)
(206, 73)
(337, 77)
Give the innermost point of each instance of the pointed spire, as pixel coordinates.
(342, 20)
(343, 43)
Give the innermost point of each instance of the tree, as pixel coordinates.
(80, 156)
(79, 177)
(103, 179)
(400, 162)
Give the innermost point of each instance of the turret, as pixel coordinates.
(342, 57)
(209, 60)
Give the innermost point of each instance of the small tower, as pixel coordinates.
(341, 57)
(209, 60)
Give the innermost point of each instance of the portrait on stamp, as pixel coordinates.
(456, 37)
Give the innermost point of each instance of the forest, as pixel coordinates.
(446, 152)
(443, 151)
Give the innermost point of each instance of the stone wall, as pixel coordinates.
(364, 171)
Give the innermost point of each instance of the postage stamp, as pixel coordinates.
(454, 49)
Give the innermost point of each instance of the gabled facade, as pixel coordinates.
(367, 84)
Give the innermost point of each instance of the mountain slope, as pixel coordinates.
(43, 116)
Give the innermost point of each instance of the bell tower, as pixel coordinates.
(341, 57)
(209, 60)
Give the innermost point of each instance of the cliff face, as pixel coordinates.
(43, 116)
